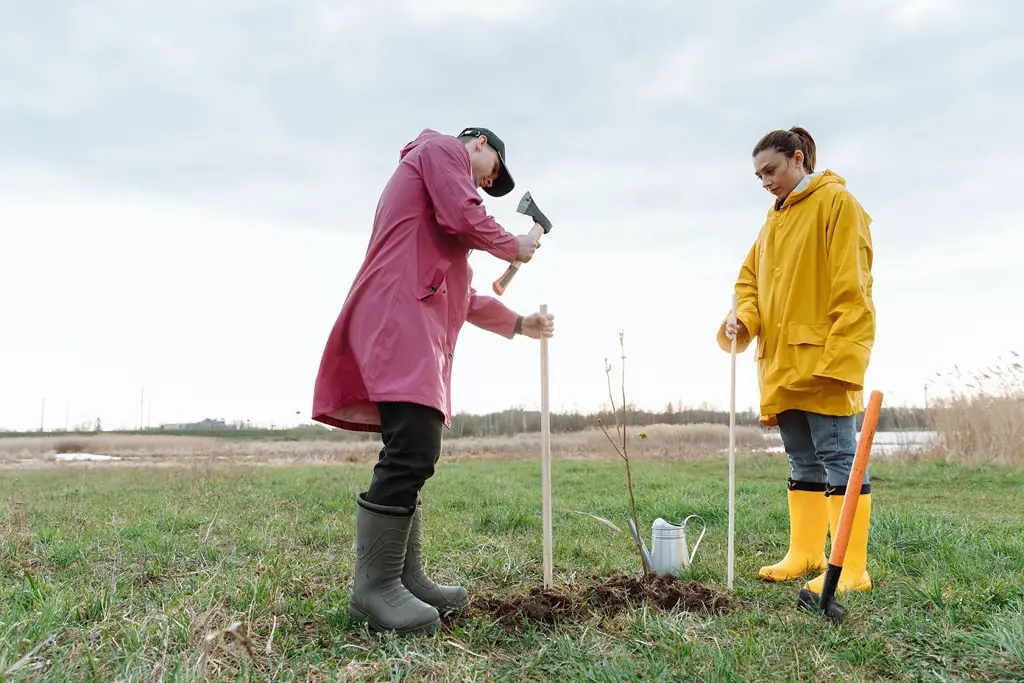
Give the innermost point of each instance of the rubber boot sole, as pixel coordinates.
(374, 626)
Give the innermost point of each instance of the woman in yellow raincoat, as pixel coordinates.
(804, 291)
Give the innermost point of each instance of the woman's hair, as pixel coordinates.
(788, 142)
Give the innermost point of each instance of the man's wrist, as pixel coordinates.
(519, 325)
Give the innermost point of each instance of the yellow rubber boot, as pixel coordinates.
(854, 576)
(808, 527)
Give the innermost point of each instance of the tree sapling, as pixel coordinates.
(623, 448)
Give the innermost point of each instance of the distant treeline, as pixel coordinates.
(514, 421)
(509, 423)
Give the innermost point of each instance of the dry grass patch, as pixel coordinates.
(663, 442)
(17, 531)
(122, 445)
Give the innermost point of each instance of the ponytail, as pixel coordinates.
(787, 142)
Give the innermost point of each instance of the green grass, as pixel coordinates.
(119, 574)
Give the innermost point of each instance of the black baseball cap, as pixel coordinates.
(504, 183)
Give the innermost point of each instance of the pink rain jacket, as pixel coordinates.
(394, 339)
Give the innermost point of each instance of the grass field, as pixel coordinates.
(116, 573)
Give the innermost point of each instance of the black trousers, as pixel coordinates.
(412, 445)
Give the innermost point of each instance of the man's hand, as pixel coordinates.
(527, 247)
(735, 330)
(537, 324)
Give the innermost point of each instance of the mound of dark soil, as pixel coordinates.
(607, 598)
(666, 592)
(545, 605)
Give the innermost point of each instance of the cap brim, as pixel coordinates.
(503, 184)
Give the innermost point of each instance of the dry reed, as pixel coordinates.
(982, 420)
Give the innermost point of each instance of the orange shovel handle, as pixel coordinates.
(860, 466)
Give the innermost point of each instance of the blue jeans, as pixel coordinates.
(820, 447)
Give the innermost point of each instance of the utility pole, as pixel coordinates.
(42, 415)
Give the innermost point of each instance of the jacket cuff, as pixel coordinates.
(749, 322)
(508, 246)
(519, 326)
(844, 361)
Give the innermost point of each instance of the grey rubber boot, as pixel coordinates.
(379, 599)
(446, 599)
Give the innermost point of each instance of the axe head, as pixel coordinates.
(529, 207)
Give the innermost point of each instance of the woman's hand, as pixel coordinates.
(735, 330)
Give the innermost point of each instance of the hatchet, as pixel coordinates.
(541, 226)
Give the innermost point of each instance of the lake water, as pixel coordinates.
(67, 457)
(884, 443)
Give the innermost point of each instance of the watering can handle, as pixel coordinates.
(704, 529)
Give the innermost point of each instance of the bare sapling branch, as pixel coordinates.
(622, 376)
(624, 450)
(611, 397)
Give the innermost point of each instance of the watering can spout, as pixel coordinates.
(640, 542)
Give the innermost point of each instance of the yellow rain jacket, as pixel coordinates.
(805, 292)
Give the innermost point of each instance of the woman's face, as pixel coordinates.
(779, 174)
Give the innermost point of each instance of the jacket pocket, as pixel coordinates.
(812, 335)
(805, 345)
(433, 280)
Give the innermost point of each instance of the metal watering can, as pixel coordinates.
(669, 552)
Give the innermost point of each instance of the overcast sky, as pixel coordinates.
(187, 189)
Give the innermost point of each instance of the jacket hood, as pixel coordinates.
(811, 184)
(426, 134)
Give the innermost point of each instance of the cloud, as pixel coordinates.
(467, 12)
(915, 15)
(253, 139)
(298, 112)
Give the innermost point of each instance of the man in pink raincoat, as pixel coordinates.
(387, 363)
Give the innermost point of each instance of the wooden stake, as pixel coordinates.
(732, 454)
(545, 456)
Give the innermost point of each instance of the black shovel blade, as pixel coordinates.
(812, 602)
(826, 602)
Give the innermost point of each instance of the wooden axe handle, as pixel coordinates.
(501, 284)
